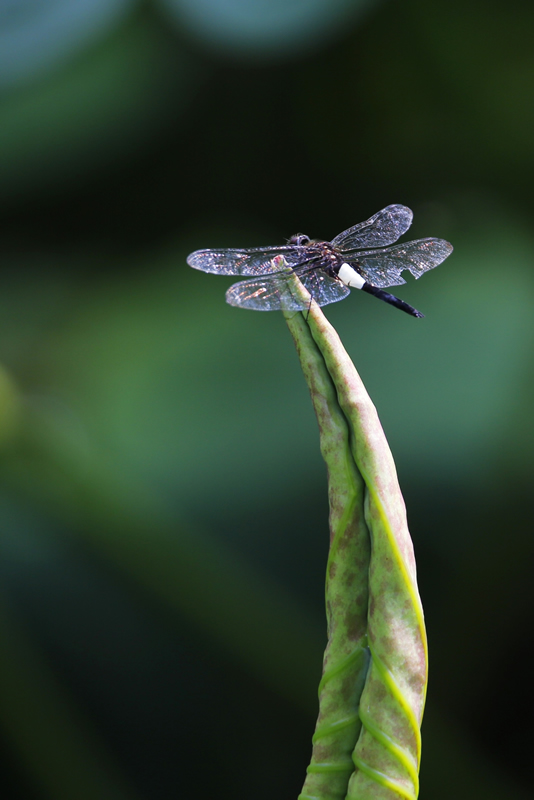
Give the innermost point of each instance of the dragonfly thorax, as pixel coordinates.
(324, 255)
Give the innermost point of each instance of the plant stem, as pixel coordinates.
(385, 702)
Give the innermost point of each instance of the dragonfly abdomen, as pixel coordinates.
(350, 277)
(354, 280)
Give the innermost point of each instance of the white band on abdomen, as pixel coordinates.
(350, 277)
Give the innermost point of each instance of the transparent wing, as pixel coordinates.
(384, 267)
(251, 261)
(274, 293)
(383, 228)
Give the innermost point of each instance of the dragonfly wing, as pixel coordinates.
(323, 288)
(276, 292)
(383, 228)
(251, 261)
(384, 267)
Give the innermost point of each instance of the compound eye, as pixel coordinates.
(299, 239)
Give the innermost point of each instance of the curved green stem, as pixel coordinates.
(388, 698)
(346, 657)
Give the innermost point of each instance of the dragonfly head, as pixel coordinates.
(299, 239)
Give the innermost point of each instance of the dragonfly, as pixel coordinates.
(359, 258)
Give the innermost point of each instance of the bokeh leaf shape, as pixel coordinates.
(37, 36)
(101, 106)
(388, 749)
(265, 28)
(10, 410)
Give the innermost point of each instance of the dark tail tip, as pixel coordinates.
(391, 299)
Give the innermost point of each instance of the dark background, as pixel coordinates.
(163, 511)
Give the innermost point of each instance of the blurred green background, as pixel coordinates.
(163, 509)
